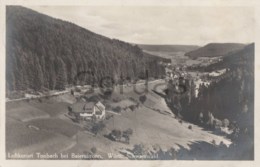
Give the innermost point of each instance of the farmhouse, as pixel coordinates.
(88, 110)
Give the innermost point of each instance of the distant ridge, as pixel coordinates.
(168, 48)
(243, 58)
(215, 50)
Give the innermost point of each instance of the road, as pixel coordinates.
(68, 91)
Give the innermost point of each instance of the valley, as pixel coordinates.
(153, 125)
(74, 94)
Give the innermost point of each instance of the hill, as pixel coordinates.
(228, 96)
(242, 58)
(58, 133)
(47, 53)
(168, 48)
(215, 50)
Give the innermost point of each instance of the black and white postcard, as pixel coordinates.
(129, 82)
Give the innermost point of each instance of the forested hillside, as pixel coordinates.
(47, 53)
(242, 58)
(231, 97)
(215, 50)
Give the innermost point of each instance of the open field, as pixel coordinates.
(153, 128)
(20, 138)
(152, 122)
(56, 125)
(34, 126)
(51, 107)
(26, 113)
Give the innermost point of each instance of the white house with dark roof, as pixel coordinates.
(87, 110)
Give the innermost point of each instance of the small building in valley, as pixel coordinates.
(88, 110)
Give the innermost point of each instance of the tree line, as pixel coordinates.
(47, 53)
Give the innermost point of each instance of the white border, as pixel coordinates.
(113, 163)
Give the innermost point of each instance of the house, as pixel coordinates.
(88, 110)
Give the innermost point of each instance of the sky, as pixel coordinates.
(161, 25)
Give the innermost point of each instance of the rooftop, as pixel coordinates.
(82, 107)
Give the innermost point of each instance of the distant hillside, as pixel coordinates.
(168, 48)
(241, 59)
(229, 96)
(215, 50)
(47, 53)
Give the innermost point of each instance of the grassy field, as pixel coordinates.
(48, 129)
(26, 112)
(22, 139)
(35, 126)
(152, 128)
(51, 107)
(56, 125)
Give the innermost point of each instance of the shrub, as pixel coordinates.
(93, 150)
(132, 99)
(129, 131)
(69, 108)
(117, 109)
(190, 127)
(225, 122)
(72, 92)
(172, 152)
(116, 99)
(108, 116)
(97, 127)
(132, 107)
(116, 134)
(142, 99)
(108, 107)
(77, 90)
(138, 149)
(156, 148)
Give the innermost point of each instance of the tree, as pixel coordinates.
(38, 75)
(142, 99)
(190, 127)
(139, 149)
(93, 150)
(173, 153)
(225, 122)
(52, 74)
(116, 134)
(61, 72)
(132, 107)
(127, 133)
(72, 92)
(97, 127)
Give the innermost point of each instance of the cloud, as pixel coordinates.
(161, 25)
